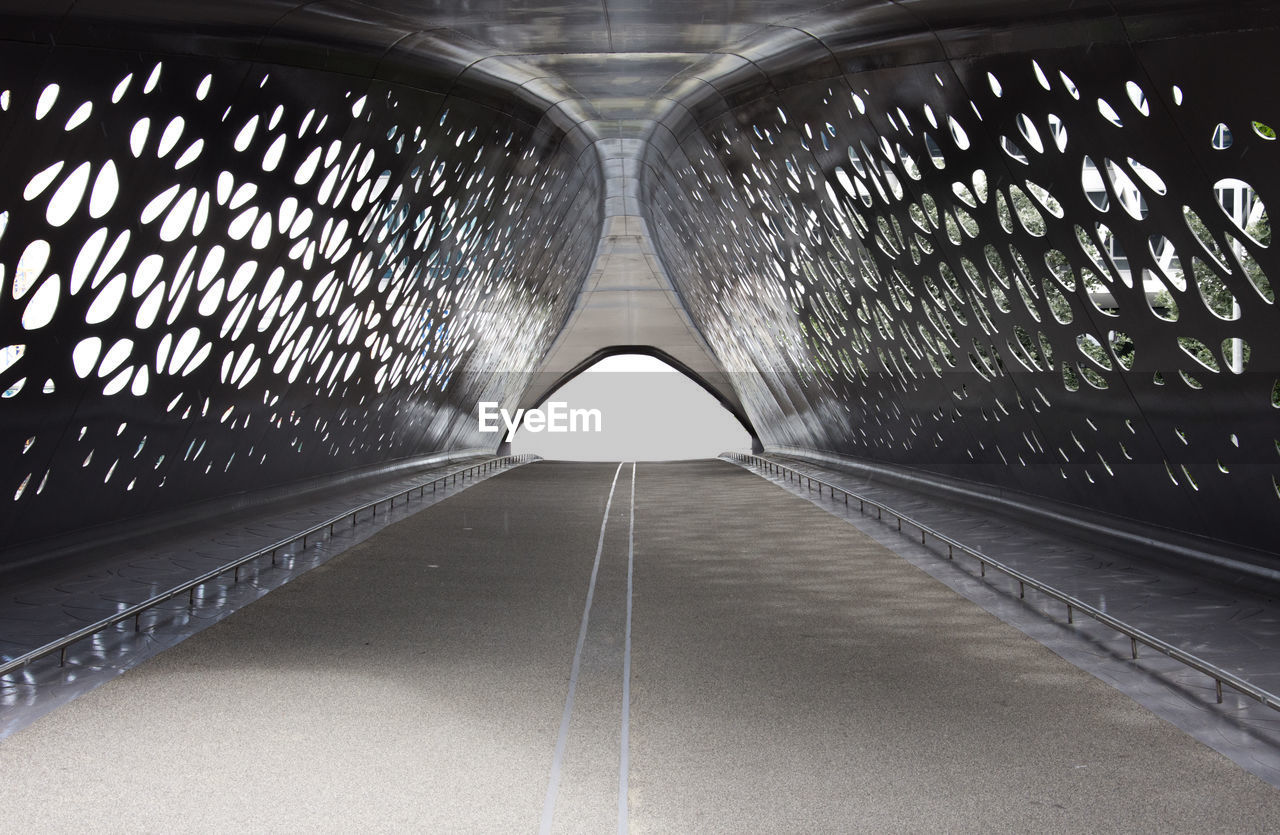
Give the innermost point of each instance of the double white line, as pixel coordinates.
(624, 762)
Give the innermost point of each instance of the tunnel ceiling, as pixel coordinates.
(246, 243)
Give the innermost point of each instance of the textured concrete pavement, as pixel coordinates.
(788, 675)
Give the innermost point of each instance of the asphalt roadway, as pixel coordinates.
(786, 674)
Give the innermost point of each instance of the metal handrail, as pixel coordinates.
(189, 587)
(1136, 636)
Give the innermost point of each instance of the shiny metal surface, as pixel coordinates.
(835, 685)
(225, 278)
(1074, 606)
(1235, 626)
(43, 610)
(674, 178)
(915, 265)
(325, 529)
(246, 244)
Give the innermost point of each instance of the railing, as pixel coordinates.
(1074, 604)
(189, 587)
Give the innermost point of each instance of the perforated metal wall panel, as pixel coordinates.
(1044, 269)
(221, 275)
(249, 243)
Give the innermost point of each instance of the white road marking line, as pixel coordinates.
(553, 787)
(624, 762)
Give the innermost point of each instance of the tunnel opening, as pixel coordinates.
(630, 406)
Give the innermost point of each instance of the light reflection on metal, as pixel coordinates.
(228, 277)
(1024, 249)
(1043, 272)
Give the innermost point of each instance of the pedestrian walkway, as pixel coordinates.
(466, 669)
(72, 591)
(1233, 625)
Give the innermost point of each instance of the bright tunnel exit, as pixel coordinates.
(648, 411)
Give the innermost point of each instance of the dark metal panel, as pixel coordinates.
(971, 317)
(1148, 20)
(27, 21)
(875, 35)
(963, 300)
(258, 274)
(227, 30)
(511, 28)
(790, 56)
(993, 26)
(333, 36)
(428, 60)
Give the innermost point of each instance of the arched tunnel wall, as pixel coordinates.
(223, 274)
(924, 246)
(273, 242)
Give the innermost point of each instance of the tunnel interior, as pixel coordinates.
(1025, 253)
